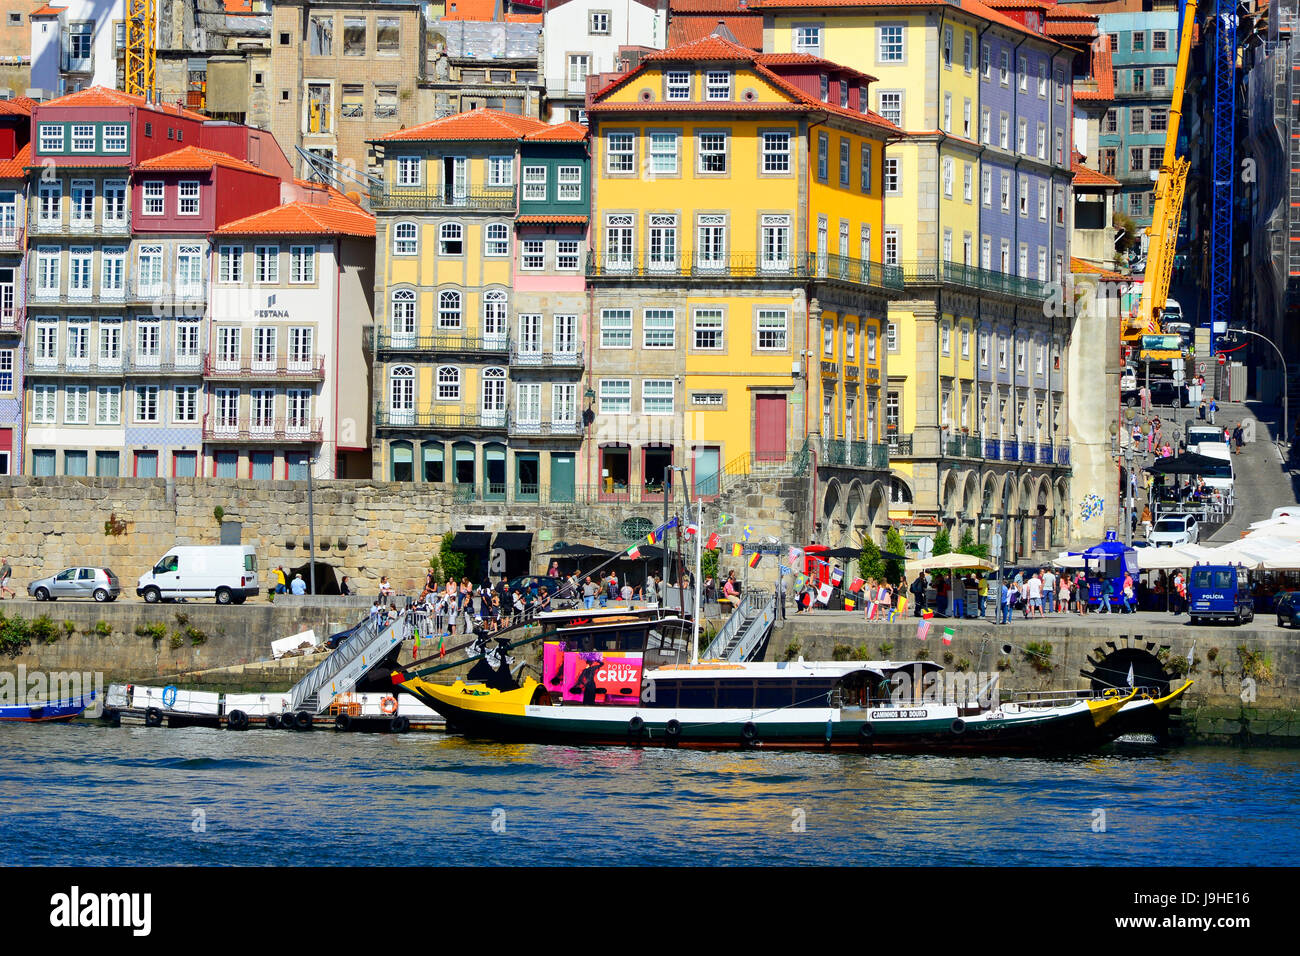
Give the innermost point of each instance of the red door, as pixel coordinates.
(770, 430)
(6, 449)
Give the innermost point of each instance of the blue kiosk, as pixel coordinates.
(1109, 560)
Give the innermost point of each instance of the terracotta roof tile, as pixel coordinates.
(1102, 73)
(196, 157)
(558, 220)
(747, 28)
(807, 59)
(16, 167)
(480, 124)
(47, 11)
(559, 133)
(1083, 176)
(974, 7)
(105, 96)
(18, 106)
(1084, 267)
(707, 48)
(337, 217)
(707, 6)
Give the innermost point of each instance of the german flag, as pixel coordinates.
(737, 549)
(651, 537)
(755, 558)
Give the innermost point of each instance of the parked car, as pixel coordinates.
(1167, 393)
(1220, 593)
(98, 583)
(1287, 606)
(1175, 529)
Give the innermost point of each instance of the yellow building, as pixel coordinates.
(738, 299)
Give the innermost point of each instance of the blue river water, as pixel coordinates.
(87, 794)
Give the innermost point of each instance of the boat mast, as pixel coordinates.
(695, 618)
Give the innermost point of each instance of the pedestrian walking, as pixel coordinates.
(1214, 407)
(6, 573)
(1238, 438)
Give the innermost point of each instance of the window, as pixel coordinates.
(986, 187)
(618, 241)
(948, 176)
(947, 48)
(1024, 198)
(230, 264)
(352, 105)
(83, 137)
(496, 239)
(711, 242)
(657, 396)
(828, 337)
(1137, 157)
(449, 310)
(1139, 80)
(713, 152)
(79, 342)
(189, 271)
(1137, 120)
(266, 264)
(108, 405)
(807, 39)
(388, 35)
(448, 383)
(149, 269)
(844, 161)
(579, 69)
(620, 153)
(566, 254)
(1159, 40)
(569, 179)
(776, 242)
(986, 252)
(947, 112)
(985, 127)
(354, 36)
(1139, 42)
(403, 240)
(663, 242)
(706, 326)
(43, 404)
(1158, 78)
(1060, 146)
(871, 343)
(385, 101)
(409, 171)
(1004, 68)
(659, 329)
(302, 264)
(47, 270)
(1159, 119)
(967, 51)
(1022, 137)
(967, 184)
(677, 85)
(891, 336)
(891, 245)
(985, 61)
(891, 44)
(186, 408)
(891, 106)
(893, 180)
(533, 254)
(83, 202)
(717, 85)
(945, 339)
(501, 170)
(187, 198)
(1041, 147)
(1042, 202)
(616, 328)
(1060, 205)
(773, 330)
(615, 396)
(534, 179)
(864, 168)
(146, 403)
(776, 153)
(51, 138)
(663, 152)
(598, 22)
(451, 240)
(153, 198)
(6, 371)
(1042, 81)
(1022, 66)
(1004, 131)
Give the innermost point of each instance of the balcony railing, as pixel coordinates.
(445, 343)
(1045, 453)
(853, 454)
(900, 446)
(747, 266)
(549, 429)
(1028, 451)
(964, 446)
(934, 271)
(11, 238)
(310, 370)
(126, 363)
(450, 418)
(500, 199)
(76, 227)
(288, 431)
(992, 449)
(138, 290)
(1010, 450)
(1062, 454)
(546, 359)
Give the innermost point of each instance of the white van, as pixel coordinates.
(1223, 475)
(225, 572)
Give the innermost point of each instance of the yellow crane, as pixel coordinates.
(1170, 185)
(141, 17)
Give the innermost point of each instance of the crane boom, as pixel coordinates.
(140, 56)
(1170, 185)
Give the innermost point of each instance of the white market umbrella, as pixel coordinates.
(948, 562)
(1164, 559)
(1067, 560)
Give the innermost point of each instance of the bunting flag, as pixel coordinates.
(871, 610)
(415, 652)
(672, 523)
(923, 629)
(634, 552)
(714, 541)
(856, 585)
(927, 614)
(755, 558)
(737, 549)
(795, 554)
(823, 594)
(836, 576)
(692, 528)
(902, 607)
(747, 531)
(653, 536)
(723, 518)
(442, 648)
(849, 604)
(782, 568)
(947, 635)
(800, 579)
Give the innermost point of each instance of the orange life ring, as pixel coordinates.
(388, 705)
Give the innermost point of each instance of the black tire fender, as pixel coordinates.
(635, 726)
(343, 722)
(153, 717)
(749, 732)
(673, 731)
(237, 720)
(959, 726)
(399, 724)
(302, 720)
(272, 722)
(865, 733)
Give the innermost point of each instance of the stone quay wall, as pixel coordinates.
(363, 529)
(1235, 699)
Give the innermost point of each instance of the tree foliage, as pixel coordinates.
(453, 561)
(870, 563)
(893, 566)
(942, 542)
(968, 545)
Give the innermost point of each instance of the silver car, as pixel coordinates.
(98, 583)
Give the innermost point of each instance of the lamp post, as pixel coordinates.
(1282, 363)
(311, 526)
(668, 470)
(1125, 453)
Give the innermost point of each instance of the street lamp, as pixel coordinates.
(311, 525)
(1282, 363)
(1126, 453)
(668, 469)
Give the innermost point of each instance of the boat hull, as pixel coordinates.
(511, 716)
(43, 714)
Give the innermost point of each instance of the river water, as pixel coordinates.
(93, 795)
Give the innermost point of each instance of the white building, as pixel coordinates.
(75, 46)
(581, 38)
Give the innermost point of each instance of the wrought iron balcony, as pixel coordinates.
(245, 369)
(547, 359)
(76, 227)
(853, 454)
(279, 430)
(449, 343)
(117, 366)
(746, 266)
(11, 238)
(441, 418)
(1062, 454)
(900, 446)
(11, 320)
(964, 446)
(992, 449)
(921, 272)
(1010, 450)
(548, 429)
(498, 199)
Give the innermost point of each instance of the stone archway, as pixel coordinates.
(950, 501)
(877, 511)
(990, 508)
(854, 513)
(832, 512)
(1042, 514)
(1062, 526)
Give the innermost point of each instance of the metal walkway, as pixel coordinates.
(746, 629)
(339, 673)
